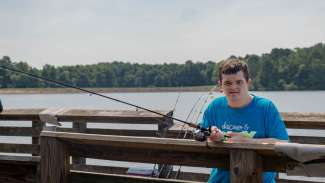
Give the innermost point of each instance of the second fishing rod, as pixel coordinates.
(200, 134)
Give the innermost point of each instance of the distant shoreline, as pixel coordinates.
(103, 90)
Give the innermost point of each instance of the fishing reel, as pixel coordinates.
(201, 134)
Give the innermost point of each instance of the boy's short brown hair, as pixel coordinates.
(232, 66)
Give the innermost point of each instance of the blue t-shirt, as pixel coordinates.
(260, 115)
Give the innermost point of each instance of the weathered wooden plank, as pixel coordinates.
(55, 161)
(245, 167)
(316, 115)
(292, 120)
(180, 134)
(81, 114)
(150, 156)
(20, 114)
(11, 159)
(27, 166)
(19, 131)
(111, 116)
(304, 120)
(105, 116)
(307, 139)
(293, 181)
(128, 132)
(124, 132)
(159, 143)
(17, 173)
(305, 124)
(162, 150)
(172, 151)
(124, 147)
(192, 176)
(99, 169)
(171, 157)
(83, 177)
(201, 177)
(19, 148)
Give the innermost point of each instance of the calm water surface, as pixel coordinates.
(188, 106)
(305, 101)
(299, 101)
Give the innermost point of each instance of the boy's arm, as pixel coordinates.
(238, 137)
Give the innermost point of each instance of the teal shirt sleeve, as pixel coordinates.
(275, 127)
(206, 120)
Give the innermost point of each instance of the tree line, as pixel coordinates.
(281, 69)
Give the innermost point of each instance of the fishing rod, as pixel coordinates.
(200, 134)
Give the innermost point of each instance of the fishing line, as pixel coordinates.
(164, 165)
(98, 94)
(205, 101)
(187, 117)
(192, 111)
(202, 133)
(185, 133)
(179, 94)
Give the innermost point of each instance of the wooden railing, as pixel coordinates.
(28, 165)
(245, 160)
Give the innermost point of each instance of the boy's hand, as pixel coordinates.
(216, 134)
(237, 137)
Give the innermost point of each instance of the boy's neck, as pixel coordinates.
(241, 103)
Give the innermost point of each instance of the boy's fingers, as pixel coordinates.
(216, 134)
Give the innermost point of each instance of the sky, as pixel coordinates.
(71, 32)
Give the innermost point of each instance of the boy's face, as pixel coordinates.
(234, 86)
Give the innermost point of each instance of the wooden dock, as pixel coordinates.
(48, 156)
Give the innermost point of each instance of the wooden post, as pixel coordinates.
(245, 167)
(80, 127)
(55, 161)
(37, 126)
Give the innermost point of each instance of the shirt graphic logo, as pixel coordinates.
(227, 126)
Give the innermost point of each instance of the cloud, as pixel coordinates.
(83, 32)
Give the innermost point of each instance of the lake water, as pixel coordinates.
(302, 101)
(298, 101)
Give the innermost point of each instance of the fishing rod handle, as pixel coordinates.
(201, 134)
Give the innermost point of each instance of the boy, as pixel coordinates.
(240, 111)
